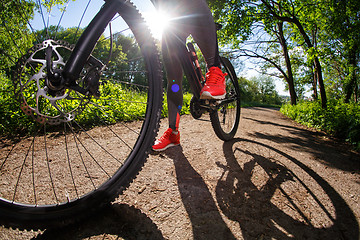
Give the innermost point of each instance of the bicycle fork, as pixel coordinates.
(82, 54)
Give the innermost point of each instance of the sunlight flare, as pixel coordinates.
(157, 21)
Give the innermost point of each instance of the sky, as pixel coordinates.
(76, 8)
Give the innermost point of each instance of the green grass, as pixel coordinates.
(257, 104)
(123, 106)
(185, 108)
(339, 119)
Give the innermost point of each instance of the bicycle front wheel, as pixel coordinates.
(65, 153)
(225, 119)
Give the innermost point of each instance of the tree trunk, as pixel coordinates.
(307, 40)
(315, 77)
(352, 85)
(314, 84)
(290, 77)
(318, 69)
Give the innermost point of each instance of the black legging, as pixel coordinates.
(188, 17)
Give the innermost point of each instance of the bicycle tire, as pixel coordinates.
(225, 119)
(64, 169)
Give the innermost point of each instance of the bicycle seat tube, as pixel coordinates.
(189, 69)
(87, 41)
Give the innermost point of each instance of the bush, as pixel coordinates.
(11, 116)
(185, 108)
(15, 122)
(339, 119)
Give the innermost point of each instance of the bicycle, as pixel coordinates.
(64, 169)
(224, 113)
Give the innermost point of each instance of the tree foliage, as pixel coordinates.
(13, 27)
(259, 89)
(326, 31)
(125, 63)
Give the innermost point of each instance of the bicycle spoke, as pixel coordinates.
(21, 170)
(39, 5)
(80, 155)
(96, 144)
(73, 141)
(120, 138)
(48, 165)
(33, 172)
(118, 100)
(69, 163)
(122, 123)
(81, 19)
(7, 156)
(133, 116)
(129, 83)
(12, 39)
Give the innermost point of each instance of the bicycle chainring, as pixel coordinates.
(195, 108)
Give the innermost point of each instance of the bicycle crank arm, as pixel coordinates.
(216, 104)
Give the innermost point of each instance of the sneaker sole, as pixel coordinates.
(207, 95)
(168, 146)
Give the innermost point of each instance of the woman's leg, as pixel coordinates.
(202, 27)
(174, 74)
(194, 17)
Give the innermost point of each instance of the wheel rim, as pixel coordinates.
(226, 117)
(61, 156)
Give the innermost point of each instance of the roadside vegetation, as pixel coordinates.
(339, 119)
(312, 46)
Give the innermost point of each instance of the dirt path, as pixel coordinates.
(275, 180)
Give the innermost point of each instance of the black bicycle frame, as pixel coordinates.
(87, 41)
(192, 71)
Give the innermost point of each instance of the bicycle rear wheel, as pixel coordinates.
(64, 154)
(225, 119)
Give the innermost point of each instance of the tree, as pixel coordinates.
(289, 76)
(342, 25)
(287, 11)
(14, 38)
(259, 89)
(252, 16)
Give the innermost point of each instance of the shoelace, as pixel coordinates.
(215, 77)
(166, 135)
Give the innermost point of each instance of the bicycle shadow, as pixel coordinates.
(333, 153)
(274, 206)
(204, 215)
(117, 221)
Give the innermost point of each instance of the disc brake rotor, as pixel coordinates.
(37, 97)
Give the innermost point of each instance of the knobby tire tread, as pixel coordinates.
(214, 117)
(18, 217)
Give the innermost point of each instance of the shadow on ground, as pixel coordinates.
(200, 206)
(292, 202)
(266, 192)
(118, 221)
(333, 153)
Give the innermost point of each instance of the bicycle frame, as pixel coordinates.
(191, 67)
(87, 41)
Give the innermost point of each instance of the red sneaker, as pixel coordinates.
(214, 87)
(168, 139)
